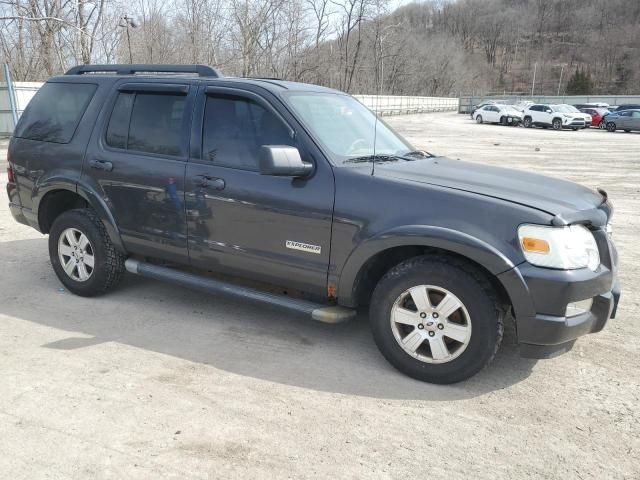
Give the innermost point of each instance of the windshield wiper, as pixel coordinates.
(379, 158)
(418, 153)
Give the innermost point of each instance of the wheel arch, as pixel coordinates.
(56, 198)
(373, 258)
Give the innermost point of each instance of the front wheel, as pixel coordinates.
(479, 119)
(503, 121)
(611, 127)
(82, 254)
(557, 124)
(436, 319)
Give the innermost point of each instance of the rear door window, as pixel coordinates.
(55, 112)
(148, 122)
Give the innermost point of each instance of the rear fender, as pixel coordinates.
(61, 181)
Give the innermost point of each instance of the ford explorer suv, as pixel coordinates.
(557, 117)
(299, 197)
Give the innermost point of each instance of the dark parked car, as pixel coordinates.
(626, 120)
(280, 184)
(626, 106)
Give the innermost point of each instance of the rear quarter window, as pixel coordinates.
(55, 112)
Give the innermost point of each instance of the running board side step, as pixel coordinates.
(321, 313)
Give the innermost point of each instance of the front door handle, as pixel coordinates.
(208, 181)
(101, 165)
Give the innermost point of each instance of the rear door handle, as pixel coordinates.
(208, 181)
(101, 165)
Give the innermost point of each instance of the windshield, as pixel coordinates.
(345, 127)
(564, 109)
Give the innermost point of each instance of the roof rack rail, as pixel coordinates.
(127, 69)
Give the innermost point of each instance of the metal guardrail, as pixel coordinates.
(466, 104)
(403, 105)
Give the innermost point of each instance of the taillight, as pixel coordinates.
(12, 179)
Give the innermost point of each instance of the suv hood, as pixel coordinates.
(568, 202)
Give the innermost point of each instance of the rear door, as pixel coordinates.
(536, 113)
(492, 114)
(136, 161)
(634, 121)
(265, 228)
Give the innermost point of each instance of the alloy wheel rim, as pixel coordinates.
(76, 254)
(431, 324)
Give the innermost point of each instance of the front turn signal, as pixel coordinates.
(535, 245)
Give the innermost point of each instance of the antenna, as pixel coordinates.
(375, 112)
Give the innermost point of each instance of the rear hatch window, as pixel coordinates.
(55, 111)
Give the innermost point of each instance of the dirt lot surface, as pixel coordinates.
(153, 381)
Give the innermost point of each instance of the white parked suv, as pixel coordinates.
(504, 114)
(555, 116)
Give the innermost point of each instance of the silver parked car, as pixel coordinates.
(626, 120)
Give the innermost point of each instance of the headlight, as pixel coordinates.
(566, 248)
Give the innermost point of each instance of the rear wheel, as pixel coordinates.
(479, 119)
(611, 127)
(627, 131)
(82, 254)
(436, 319)
(556, 124)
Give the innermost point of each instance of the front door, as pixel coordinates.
(266, 228)
(136, 161)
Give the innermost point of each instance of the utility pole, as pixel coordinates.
(560, 81)
(533, 85)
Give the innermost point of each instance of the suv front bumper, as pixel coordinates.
(540, 296)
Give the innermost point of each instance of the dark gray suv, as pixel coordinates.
(298, 196)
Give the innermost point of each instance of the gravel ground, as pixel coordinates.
(153, 381)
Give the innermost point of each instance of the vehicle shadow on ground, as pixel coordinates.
(228, 334)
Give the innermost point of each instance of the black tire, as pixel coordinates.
(602, 125)
(627, 131)
(574, 129)
(611, 127)
(527, 122)
(466, 283)
(503, 121)
(108, 262)
(556, 124)
(479, 119)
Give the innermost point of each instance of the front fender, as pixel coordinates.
(418, 235)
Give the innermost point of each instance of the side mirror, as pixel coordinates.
(283, 161)
(548, 110)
